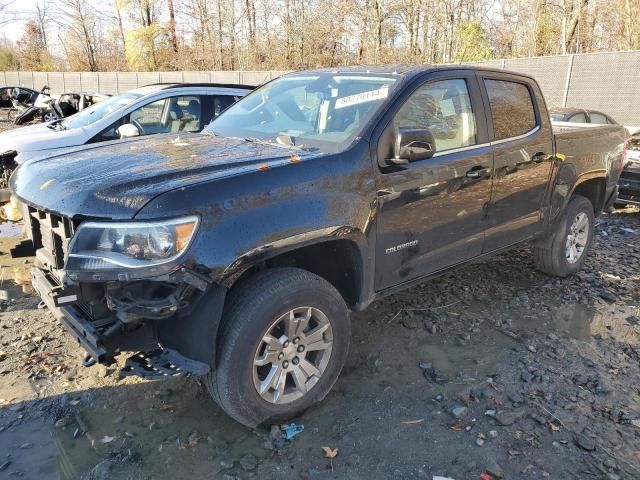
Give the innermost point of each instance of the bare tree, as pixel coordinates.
(79, 20)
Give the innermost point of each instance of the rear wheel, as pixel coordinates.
(570, 242)
(282, 344)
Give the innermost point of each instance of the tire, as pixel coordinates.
(554, 258)
(249, 315)
(49, 116)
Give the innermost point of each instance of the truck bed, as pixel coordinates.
(592, 147)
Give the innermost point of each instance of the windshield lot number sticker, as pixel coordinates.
(364, 97)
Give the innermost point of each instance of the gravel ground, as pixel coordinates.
(4, 124)
(493, 371)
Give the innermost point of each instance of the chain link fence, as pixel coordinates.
(609, 82)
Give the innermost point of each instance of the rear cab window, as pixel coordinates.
(599, 118)
(512, 108)
(578, 118)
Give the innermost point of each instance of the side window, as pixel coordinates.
(109, 133)
(511, 108)
(221, 103)
(186, 114)
(598, 118)
(151, 118)
(578, 118)
(443, 108)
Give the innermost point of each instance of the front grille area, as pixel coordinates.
(50, 234)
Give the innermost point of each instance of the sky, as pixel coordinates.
(18, 11)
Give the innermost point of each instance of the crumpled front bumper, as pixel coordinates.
(61, 304)
(167, 348)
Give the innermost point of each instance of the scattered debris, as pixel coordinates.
(291, 430)
(585, 442)
(459, 412)
(329, 452)
(413, 422)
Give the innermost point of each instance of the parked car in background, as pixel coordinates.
(17, 100)
(69, 104)
(629, 184)
(49, 108)
(26, 95)
(163, 108)
(579, 115)
(237, 253)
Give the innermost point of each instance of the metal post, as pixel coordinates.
(568, 81)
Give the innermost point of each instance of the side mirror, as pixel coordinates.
(128, 130)
(411, 144)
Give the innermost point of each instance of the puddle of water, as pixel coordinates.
(573, 320)
(10, 290)
(165, 433)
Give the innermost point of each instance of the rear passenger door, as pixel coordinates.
(523, 152)
(430, 212)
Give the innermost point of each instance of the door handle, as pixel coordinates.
(388, 194)
(477, 172)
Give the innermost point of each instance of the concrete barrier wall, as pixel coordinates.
(118, 82)
(601, 81)
(609, 82)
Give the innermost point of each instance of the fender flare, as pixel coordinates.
(282, 246)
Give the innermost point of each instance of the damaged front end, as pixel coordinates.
(119, 287)
(7, 166)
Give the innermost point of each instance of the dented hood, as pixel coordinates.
(115, 181)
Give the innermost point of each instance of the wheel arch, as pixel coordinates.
(594, 190)
(340, 259)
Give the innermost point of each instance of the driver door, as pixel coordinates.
(431, 212)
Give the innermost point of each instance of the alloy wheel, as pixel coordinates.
(577, 238)
(292, 355)
(50, 117)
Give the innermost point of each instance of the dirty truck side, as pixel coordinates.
(237, 253)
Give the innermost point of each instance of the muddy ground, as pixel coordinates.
(492, 371)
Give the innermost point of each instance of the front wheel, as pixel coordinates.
(49, 116)
(282, 344)
(570, 242)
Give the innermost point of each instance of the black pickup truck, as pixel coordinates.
(237, 253)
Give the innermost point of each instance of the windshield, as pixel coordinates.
(323, 112)
(557, 116)
(99, 110)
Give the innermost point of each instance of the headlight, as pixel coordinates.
(100, 246)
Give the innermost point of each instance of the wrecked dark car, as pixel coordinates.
(237, 253)
(629, 184)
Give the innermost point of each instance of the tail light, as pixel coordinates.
(625, 151)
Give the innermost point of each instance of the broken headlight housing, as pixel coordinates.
(116, 246)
